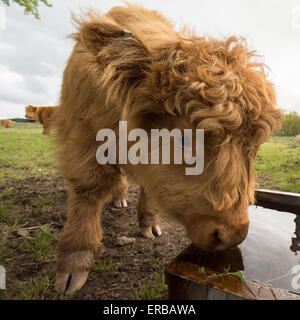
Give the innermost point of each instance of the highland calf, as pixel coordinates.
(131, 65)
(6, 123)
(44, 115)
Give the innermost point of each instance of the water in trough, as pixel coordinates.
(268, 254)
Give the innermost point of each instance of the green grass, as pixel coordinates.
(8, 216)
(158, 290)
(24, 150)
(278, 164)
(101, 266)
(35, 288)
(238, 274)
(42, 245)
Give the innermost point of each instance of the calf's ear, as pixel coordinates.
(97, 34)
(109, 42)
(122, 56)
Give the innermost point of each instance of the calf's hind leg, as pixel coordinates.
(121, 193)
(148, 216)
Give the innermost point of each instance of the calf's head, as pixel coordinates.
(216, 86)
(188, 82)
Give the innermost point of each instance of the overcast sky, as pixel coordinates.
(33, 52)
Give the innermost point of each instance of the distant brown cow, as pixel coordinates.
(44, 115)
(6, 123)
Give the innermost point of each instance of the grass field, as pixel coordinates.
(24, 151)
(278, 164)
(32, 213)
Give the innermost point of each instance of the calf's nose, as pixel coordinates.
(230, 236)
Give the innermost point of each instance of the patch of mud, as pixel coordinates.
(131, 271)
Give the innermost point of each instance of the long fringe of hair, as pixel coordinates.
(218, 84)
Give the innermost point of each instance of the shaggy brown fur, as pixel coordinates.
(6, 123)
(44, 115)
(159, 78)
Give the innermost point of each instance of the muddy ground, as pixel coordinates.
(38, 206)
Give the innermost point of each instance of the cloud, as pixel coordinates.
(33, 53)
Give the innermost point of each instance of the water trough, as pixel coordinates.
(269, 258)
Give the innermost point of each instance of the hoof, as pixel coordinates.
(73, 270)
(151, 232)
(120, 203)
(67, 283)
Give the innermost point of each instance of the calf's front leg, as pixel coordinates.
(79, 242)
